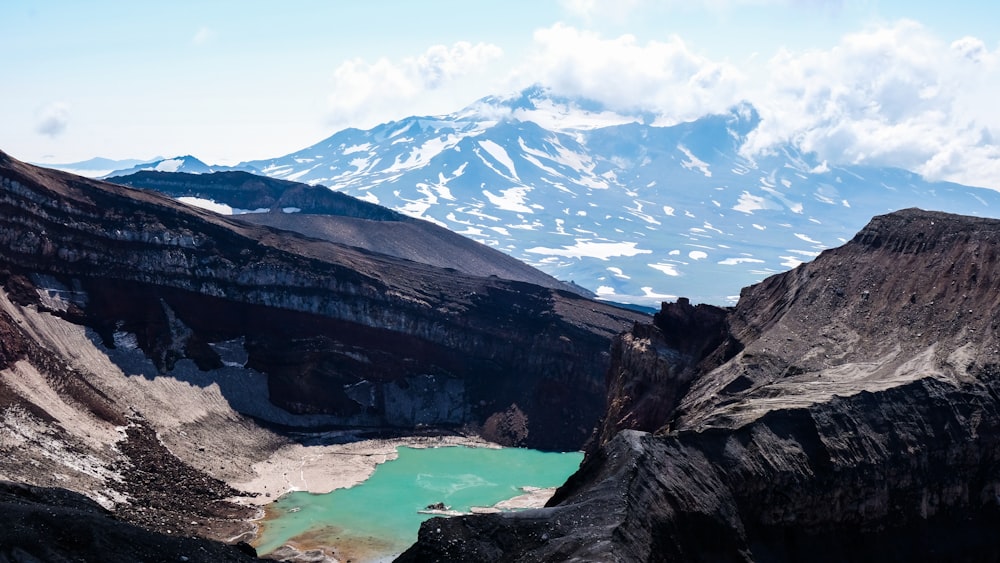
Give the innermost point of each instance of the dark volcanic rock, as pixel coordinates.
(319, 212)
(850, 412)
(42, 524)
(339, 331)
(250, 192)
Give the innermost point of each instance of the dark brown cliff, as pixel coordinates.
(850, 412)
(353, 336)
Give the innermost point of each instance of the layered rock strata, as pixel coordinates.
(319, 212)
(846, 410)
(355, 337)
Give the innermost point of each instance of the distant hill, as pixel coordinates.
(188, 164)
(98, 166)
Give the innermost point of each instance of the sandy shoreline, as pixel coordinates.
(323, 468)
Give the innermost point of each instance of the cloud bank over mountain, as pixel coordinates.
(854, 81)
(893, 95)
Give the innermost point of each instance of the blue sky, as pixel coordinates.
(908, 84)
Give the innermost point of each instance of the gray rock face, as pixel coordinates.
(849, 411)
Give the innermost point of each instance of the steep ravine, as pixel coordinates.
(849, 410)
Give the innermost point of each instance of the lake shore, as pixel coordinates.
(368, 523)
(320, 468)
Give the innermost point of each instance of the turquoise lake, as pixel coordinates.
(379, 518)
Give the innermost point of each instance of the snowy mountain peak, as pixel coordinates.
(539, 105)
(634, 211)
(186, 163)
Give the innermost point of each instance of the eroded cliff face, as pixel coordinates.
(345, 336)
(850, 411)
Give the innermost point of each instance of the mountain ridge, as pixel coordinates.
(628, 207)
(844, 410)
(321, 213)
(633, 210)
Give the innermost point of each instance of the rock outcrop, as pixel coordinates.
(847, 410)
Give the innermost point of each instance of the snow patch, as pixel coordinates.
(501, 156)
(511, 199)
(790, 261)
(588, 249)
(649, 293)
(666, 268)
(735, 261)
(694, 162)
(697, 255)
(821, 168)
(207, 204)
(357, 148)
(801, 236)
(172, 165)
(369, 197)
(618, 273)
(748, 203)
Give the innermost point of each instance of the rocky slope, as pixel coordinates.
(152, 354)
(321, 213)
(847, 410)
(59, 525)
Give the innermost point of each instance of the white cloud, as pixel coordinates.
(888, 96)
(52, 119)
(620, 10)
(590, 10)
(202, 36)
(364, 92)
(665, 77)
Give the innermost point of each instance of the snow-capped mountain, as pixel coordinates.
(635, 210)
(97, 167)
(187, 163)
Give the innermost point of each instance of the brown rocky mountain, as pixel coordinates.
(847, 410)
(319, 212)
(153, 354)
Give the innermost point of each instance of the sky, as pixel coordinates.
(873, 82)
